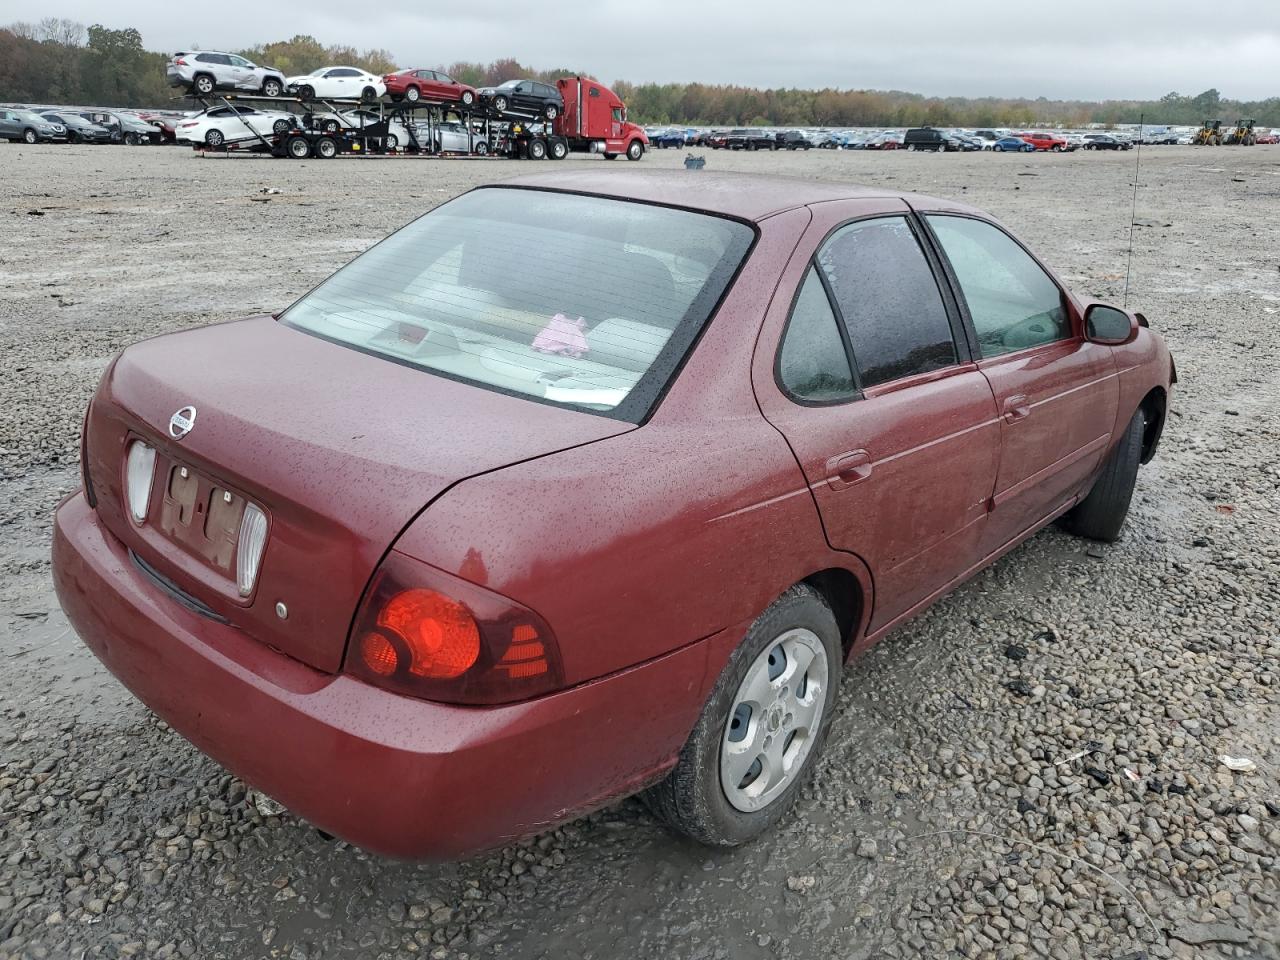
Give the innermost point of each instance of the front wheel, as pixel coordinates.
(391, 143)
(635, 150)
(550, 111)
(271, 87)
(368, 94)
(329, 126)
(500, 104)
(306, 93)
(559, 149)
(281, 126)
(1057, 148)
(29, 135)
(468, 98)
(412, 94)
(911, 148)
(761, 730)
(1101, 515)
(132, 139)
(537, 149)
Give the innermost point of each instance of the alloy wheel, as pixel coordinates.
(775, 718)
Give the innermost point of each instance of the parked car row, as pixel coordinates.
(68, 126)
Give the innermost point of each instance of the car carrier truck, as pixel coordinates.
(594, 120)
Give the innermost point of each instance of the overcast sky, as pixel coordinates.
(1092, 49)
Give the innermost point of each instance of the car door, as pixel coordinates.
(438, 86)
(868, 376)
(1056, 392)
(241, 73)
(8, 125)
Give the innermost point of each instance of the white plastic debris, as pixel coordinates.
(1238, 764)
(1132, 776)
(266, 806)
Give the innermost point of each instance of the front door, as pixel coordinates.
(893, 425)
(1057, 393)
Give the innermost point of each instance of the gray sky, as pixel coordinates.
(1090, 49)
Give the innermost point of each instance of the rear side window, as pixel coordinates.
(889, 300)
(1013, 303)
(583, 301)
(812, 364)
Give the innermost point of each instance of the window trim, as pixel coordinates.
(938, 267)
(953, 279)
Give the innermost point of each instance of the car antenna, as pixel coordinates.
(1133, 214)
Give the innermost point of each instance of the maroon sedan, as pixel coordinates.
(415, 84)
(584, 485)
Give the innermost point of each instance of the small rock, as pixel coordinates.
(1200, 933)
(802, 884)
(868, 848)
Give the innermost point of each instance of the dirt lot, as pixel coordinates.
(951, 817)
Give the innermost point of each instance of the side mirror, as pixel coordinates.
(1109, 326)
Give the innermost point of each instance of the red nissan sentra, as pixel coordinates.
(583, 485)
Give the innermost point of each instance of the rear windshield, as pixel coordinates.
(585, 302)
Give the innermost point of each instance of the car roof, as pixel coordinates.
(741, 195)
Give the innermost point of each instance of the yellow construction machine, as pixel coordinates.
(1243, 134)
(1210, 133)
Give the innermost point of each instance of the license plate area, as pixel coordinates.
(201, 516)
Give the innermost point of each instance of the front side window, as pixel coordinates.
(577, 300)
(812, 364)
(1014, 304)
(889, 300)
(239, 61)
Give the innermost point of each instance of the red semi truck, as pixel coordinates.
(594, 120)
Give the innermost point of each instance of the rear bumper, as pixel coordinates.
(399, 776)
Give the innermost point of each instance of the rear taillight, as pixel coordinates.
(428, 634)
(180, 62)
(139, 469)
(249, 547)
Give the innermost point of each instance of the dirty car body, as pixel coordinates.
(440, 556)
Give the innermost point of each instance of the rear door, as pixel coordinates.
(872, 385)
(1057, 393)
(8, 125)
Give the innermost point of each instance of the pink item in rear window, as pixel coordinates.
(562, 336)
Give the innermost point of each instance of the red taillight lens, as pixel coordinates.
(425, 633)
(180, 62)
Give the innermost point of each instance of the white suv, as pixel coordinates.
(206, 71)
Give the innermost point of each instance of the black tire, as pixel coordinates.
(298, 147)
(537, 149)
(558, 149)
(132, 139)
(635, 150)
(203, 84)
(691, 799)
(1100, 515)
(326, 148)
(368, 94)
(500, 104)
(391, 143)
(281, 126)
(467, 98)
(550, 111)
(271, 87)
(29, 136)
(73, 137)
(329, 126)
(611, 156)
(1057, 148)
(412, 94)
(306, 93)
(214, 138)
(481, 148)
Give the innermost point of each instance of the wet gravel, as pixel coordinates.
(1032, 768)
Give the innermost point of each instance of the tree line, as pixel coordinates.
(61, 61)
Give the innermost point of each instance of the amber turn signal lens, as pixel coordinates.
(378, 654)
(441, 635)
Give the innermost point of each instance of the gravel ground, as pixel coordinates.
(1029, 769)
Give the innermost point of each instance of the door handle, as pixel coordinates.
(1017, 407)
(848, 468)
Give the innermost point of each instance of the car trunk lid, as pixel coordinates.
(339, 448)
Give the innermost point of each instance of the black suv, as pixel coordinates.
(525, 97)
(743, 139)
(927, 138)
(792, 140)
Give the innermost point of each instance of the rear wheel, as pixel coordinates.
(559, 149)
(298, 147)
(1101, 515)
(271, 87)
(326, 148)
(537, 149)
(214, 138)
(203, 84)
(762, 728)
(635, 150)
